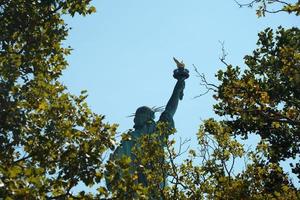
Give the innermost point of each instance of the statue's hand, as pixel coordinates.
(179, 87)
(182, 86)
(180, 74)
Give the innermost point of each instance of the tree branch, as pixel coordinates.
(209, 86)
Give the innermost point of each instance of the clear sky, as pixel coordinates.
(123, 54)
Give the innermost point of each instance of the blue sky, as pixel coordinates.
(123, 54)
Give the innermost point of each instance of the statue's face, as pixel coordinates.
(143, 115)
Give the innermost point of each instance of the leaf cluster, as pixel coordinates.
(272, 6)
(264, 98)
(50, 139)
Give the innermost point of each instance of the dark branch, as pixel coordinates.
(208, 86)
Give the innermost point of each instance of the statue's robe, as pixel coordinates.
(126, 146)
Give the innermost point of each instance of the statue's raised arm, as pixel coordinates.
(180, 74)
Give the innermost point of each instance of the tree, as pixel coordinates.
(50, 139)
(264, 99)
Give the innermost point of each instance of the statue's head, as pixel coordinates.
(143, 116)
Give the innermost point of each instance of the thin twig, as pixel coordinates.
(209, 86)
(224, 54)
(264, 5)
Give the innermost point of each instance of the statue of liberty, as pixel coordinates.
(144, 119)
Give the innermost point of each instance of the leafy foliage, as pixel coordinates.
(149, 161)
(272, 6)
(264, 99)
(50, 139)
(258, 178)
(208, 173)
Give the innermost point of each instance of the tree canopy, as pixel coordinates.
(264, 98)
(50, 139)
